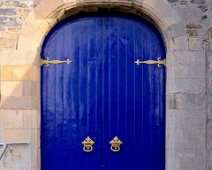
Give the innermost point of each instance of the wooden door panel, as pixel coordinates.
(103, 94)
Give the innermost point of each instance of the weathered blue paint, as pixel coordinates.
(103, 94)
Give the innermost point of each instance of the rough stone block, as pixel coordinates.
(23, 13)
(19, 3)
(8, 44)
(9, 38)
(192, 33)
(193, 26)
(173, 1)
(8, 22)
(198, 1)
(7, 11)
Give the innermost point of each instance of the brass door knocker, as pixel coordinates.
(88, 142)
(115, 144)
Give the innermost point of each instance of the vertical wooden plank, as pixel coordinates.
(103, 94)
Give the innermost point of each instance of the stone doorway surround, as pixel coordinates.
(185, 116)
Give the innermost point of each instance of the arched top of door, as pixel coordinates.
(49, 12)
(146, 21)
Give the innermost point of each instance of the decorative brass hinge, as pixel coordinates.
(47, 61)
(158, 62)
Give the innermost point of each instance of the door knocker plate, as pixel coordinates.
(88, 142)
(115, 144)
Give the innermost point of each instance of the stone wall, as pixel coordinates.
(188, 29)
(209, 95)
(18, 112)
(12, 14)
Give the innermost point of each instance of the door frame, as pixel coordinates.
(45, 16)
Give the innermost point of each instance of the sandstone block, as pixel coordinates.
(18, 72)
(35, 138)
(17, 135)
(43, 9)
(12, 119)
(35, 159)
(54, 4)
(31, 119)
(33, 33)
(11, 88)
(20, 103)
(28, 88)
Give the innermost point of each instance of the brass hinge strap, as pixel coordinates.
(47, 61)
(158, 62)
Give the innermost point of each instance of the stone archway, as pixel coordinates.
(49, 12)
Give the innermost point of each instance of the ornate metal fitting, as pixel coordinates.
(47, 61)
(115, 144)
(88, 142)
(158, 62)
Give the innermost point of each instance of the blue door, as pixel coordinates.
(102, 78)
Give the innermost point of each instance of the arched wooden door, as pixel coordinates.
(104, 92)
